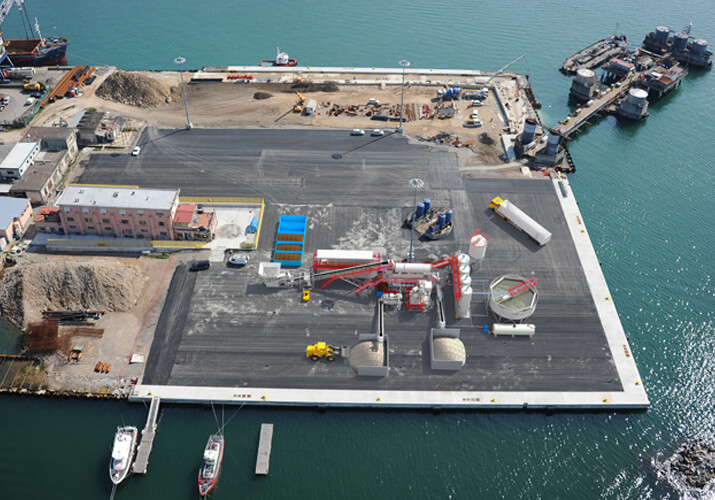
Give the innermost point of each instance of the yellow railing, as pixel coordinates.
(177, 244)
(254, 245)
(221, 199)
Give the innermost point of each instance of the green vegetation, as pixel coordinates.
(91, 110)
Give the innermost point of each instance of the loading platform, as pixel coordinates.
(263, 460)
(142, 460)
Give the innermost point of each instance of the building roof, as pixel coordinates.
(90, 120)
(36, 176)
(48, 214)
(185, 213)
(79, 195)
(18, 155)
(11, 208)
(621, 62)
(37, 134)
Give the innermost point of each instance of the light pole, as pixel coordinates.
(404, 63)
(415, 183)
(180, 61)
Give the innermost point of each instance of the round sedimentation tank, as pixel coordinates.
(508, 307)
(680, 41)
(367, 353)
(451, 349)
(478, 247)
(699, 46)
(529, 131)
(585, 76)
(464, 302)
(552, 146)
(661, 33)
(637, 96)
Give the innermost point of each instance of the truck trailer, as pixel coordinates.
(510, 212)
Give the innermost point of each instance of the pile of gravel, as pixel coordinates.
(262, 95)
(68, 285)
(138, 89)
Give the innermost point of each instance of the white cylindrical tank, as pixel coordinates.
(464, 270)
(525, 329)
(661, 33)
(699, 46)
(416, 268)
(465, 280)
(585, 76)
(464, 302)
(478, 247)
(637, 96)
(463, 259)
(552, 146)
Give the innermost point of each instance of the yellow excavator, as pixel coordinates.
(324, 350)
(298, 108)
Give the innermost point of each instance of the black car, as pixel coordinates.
(200, 265)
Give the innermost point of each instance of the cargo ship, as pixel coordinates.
(211, 466)
(125, 443)
(38, 51)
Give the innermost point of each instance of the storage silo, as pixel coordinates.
(584, 84)
(529, 131)
(552, 146)
(463, 259)
(680, 41)
(635, 106)
(585, 76)
(661, 33)
(464, 302)
(699, 46)
(510, 307)
(478, 247)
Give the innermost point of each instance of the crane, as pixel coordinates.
(5, 7)
(484, 89)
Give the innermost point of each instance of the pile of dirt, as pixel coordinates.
(262, 95)
(138, 89)
(315, 87)
(67, 285)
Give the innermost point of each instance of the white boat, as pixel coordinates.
(125, 444)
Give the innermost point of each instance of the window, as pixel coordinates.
(163, 233)
(160, 214)
(122, 212)
(90, 228)
(125, 221)
(85, 210)
(87, 219)
(102, 210)
(73, 227)
(105, 221)
(140, 212)
(67, 209)
(142, 223)
(108, 228)
(145, 230)
(161, 224)
(70, 219)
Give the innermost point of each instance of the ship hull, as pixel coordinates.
(206, 484)
(30, 52)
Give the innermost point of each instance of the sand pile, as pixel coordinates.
(64, 285)
(138, 89)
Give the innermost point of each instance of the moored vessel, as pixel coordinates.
(211, 466)
(281, 59)
(125, 443)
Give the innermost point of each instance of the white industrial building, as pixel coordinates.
(21, 156)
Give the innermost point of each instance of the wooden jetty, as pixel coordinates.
(142, 461)
(264, 449)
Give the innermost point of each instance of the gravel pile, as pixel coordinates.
(138, 89)
(66, 285)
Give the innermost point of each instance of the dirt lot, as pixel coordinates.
(233, 105)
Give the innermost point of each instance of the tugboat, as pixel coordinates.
(211, 466)
(125, 443)
(281, 59)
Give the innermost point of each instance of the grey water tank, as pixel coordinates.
(552, 146)
(661, 33)
(585, 76)
(699, 46)
(680, 41)
(529, 131)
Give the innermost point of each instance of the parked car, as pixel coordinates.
(30, 101)
(474, 115)
(477, 102)
(377, 132)
(357, 131)
(136, 151)
(373, 102)
(200, 265)
(237, 261)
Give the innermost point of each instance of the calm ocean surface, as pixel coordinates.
(646, 193)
